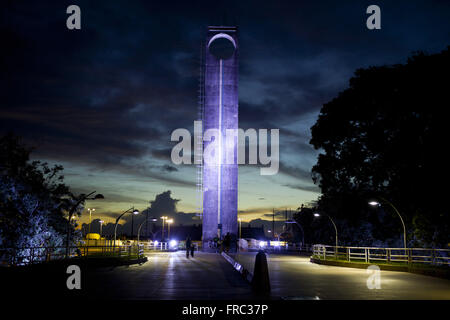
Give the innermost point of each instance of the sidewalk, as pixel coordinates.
(169, 275)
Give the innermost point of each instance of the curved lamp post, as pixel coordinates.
(240, 228)
(303, 232)
(81, 198)
(169, 222)
(376, 203)
(140, 226)
(101, 224)
(164, 218)
(133, 210)
(90, 217)
(334, 225)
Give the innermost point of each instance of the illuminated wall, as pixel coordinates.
(220, 180)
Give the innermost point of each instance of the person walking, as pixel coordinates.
(192, 249)
(188, 247)
(227, 242)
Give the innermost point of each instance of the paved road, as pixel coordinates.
(170, 276)
(209, 276)
(294, 277)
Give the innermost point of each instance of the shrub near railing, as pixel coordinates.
(30, 255)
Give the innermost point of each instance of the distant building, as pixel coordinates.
(253, 232)
(180, 232)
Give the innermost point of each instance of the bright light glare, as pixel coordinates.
(173, 243)
(155, 243)
(276, 243)
(374, 203)
(316, 215)
(262, 244)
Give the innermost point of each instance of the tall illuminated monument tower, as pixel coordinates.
(220, 112)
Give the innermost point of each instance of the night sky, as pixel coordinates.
(104, 100)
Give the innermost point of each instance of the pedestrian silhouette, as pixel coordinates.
(227, 242)
(189, 247)
(192, 250)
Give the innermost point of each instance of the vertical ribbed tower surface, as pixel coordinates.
(220, 179)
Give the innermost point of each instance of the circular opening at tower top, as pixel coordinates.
(222, 46)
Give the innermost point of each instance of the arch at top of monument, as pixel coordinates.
(222, 46)
(222, 35)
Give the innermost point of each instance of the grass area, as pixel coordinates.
(423, 266)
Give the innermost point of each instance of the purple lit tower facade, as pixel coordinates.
(220, 178)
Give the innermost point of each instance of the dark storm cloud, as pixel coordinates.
(110, 94)
(295, 172)
(169, 168)
(162, 205)
(308, 188)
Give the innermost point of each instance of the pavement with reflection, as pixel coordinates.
(295, 277)
(170, 276)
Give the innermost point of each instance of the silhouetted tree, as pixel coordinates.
(386, 136)
(33, 199)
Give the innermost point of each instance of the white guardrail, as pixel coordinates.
(388, 255)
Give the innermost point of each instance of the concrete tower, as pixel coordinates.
(220, 178)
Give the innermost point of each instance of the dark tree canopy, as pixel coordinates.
(33, 199)
(386, 135)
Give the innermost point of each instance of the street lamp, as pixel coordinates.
(140, 226)
(318, 215)
(303, 232)
(164, 218)
(133, 210)
(240, 228)
(132, 222)
(169, 222)
(80, 199)
(90, 218)
(376, 203)
(101, 224)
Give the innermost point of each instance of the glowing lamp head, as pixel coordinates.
(155, 243)
(374, 203)
(135, 211)
(316, 215)
(173, 243)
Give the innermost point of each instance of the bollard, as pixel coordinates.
(260, 281)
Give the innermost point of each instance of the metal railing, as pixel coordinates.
(158, 246)
(30, 255)
(387, 255)
(287, 248)
(166, 246)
